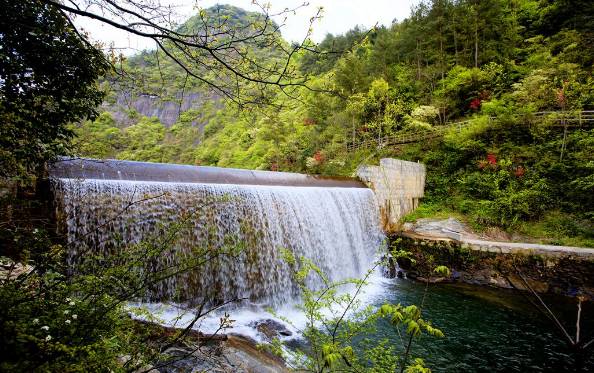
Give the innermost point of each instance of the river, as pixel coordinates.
(487, 330)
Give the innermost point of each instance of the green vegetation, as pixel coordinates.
(337, 321)
(48, 79)
(495, 62)
(68, 310)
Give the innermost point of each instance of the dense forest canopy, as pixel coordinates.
(48, 76)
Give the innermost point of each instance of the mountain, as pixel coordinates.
(155, 86)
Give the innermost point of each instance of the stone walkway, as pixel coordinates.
(452, 230)
(519, 247)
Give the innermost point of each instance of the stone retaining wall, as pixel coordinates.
(398, 186)
(565, 272)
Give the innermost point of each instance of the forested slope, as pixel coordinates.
(493, 62)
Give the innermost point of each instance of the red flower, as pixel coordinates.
(492, 159)
(309, 122)
(475, 104)
(319, 156)
(520, 171)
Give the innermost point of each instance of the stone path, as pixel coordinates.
(520, 247)
(452, 230)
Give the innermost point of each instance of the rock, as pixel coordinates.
(125, 359)
(10, 270)
(537, 286)
(484, 277)
(500, 282)
(165, 109)
(432, 280)
(408, 227)
(447, 228)
(391, 270)
(193, 358)
(496, 234)
(244, 354)
(271, 328)
(198, 352)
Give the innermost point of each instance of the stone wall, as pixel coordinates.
(398, 186)
(557, 272)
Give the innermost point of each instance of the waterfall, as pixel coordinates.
(336, 228)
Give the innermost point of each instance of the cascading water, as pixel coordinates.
(337, 228)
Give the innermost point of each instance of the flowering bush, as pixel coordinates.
(319, 157)
(55, 320)
(55, 323)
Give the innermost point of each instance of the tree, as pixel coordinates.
(211, 47)
(48, 75)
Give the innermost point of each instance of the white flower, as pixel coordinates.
(35, 321)
(75, 316)
(71, 304)
(35, 231)
(66, 312)
(45, 327)
(67, 322)
(68, 299)
(48, 338)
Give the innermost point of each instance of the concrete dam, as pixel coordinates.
(241, 220)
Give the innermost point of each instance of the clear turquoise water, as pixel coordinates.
(488, 330)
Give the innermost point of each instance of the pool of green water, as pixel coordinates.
(489, 330)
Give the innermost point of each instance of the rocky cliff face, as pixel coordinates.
(167, 110)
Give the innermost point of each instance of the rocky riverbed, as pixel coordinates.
(220, 353)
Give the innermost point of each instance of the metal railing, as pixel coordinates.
(555, 118)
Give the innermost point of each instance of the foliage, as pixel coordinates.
(494, 63)
(336, 318)
(101, 138)
(48, 74)
(56, 318)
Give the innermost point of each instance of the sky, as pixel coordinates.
(338, 17)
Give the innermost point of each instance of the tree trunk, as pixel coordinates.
(455, 42)
(475, 42)
(418, 62)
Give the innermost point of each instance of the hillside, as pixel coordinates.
(150, 84)
(470, 126)
(490, 63)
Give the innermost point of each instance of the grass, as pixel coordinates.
(431, 210)
(558, 228)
